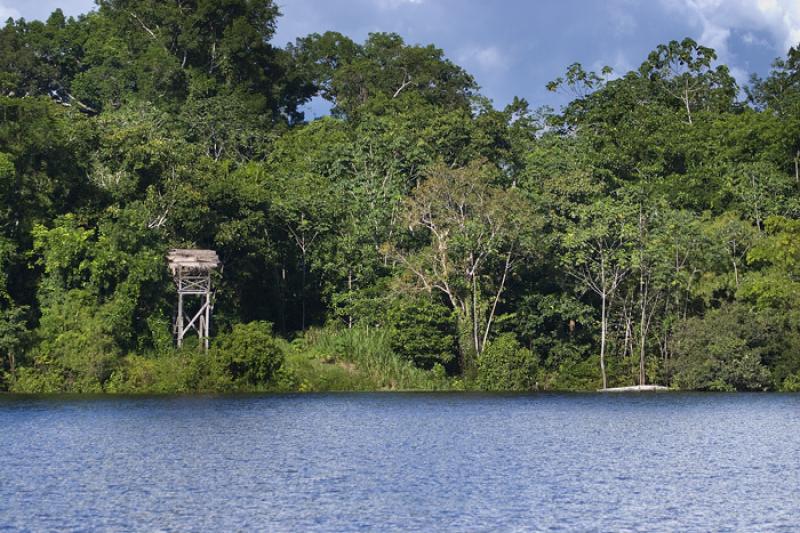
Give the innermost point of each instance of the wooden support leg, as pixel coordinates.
(208, 316)
(180, 320)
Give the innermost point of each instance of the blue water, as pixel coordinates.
(418, 462)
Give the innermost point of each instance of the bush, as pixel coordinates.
(791, 383)
(76, 343)
(172, 372)
(506, 365)
(423, 332)
(576, 371)
(249, 354)
(722, 351)
(34, 381)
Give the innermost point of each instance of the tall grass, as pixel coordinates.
(366, 356)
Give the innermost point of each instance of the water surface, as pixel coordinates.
(383, 462)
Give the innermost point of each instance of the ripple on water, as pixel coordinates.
(347, 462)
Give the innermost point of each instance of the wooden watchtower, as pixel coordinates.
(192, 270)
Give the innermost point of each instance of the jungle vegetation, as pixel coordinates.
(417, 237)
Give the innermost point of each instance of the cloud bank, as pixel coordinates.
(719, 19)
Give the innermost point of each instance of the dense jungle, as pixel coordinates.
(416, 237)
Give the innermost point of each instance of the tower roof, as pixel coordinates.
(189, 259)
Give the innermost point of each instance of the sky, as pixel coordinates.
(514, 47)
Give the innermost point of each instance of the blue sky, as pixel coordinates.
(514, 47)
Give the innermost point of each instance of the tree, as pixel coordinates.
(779, 93)
(465, 238)
(383, 68)
(776, 284)
(302, 193)
(683, 70)
(597, 253)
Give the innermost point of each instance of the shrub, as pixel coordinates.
(33, 380)
(791, 383)
(249, 354)
(422, 331)
(246, 358)
(76, 342)
(722, 351)
(575, 370)
(506, 365)
(180, 371)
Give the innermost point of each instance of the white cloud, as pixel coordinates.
(619, 63)
(491, 58)
(485, 58)
(8, 12)
(717, 19)
(752, 39)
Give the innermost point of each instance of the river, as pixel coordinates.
(400, 462)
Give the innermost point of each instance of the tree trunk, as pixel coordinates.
(282, 292)
(603, 328)
(642, 297)
(350, 296)
(797, 167)
(500, 289)
(642, 337)
(686, 103)
(303, 291)
(476, 338)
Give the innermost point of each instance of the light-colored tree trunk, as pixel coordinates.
(350, 295)
(475, 338)
(797, 167)
(686, 100)
(603, 329)
(642, 330)
(493, 310)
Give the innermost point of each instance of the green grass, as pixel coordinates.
(358, 359)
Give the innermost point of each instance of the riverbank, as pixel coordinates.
(251, 359)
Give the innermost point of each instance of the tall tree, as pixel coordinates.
(466, 238)
(597, 253)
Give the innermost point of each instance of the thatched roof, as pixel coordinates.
(198, 260)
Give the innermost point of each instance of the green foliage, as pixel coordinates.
(359, 359)
(505, 365)
(683, 70)
(777, 284)
(466, 236)
(422, 331)
(63, 251)
(249, 354)
(76, 341)
(621, 240)
(36, 381)
(576, 372)
(725, 350)
(356, 76)
(173, 372)
(14, 337)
